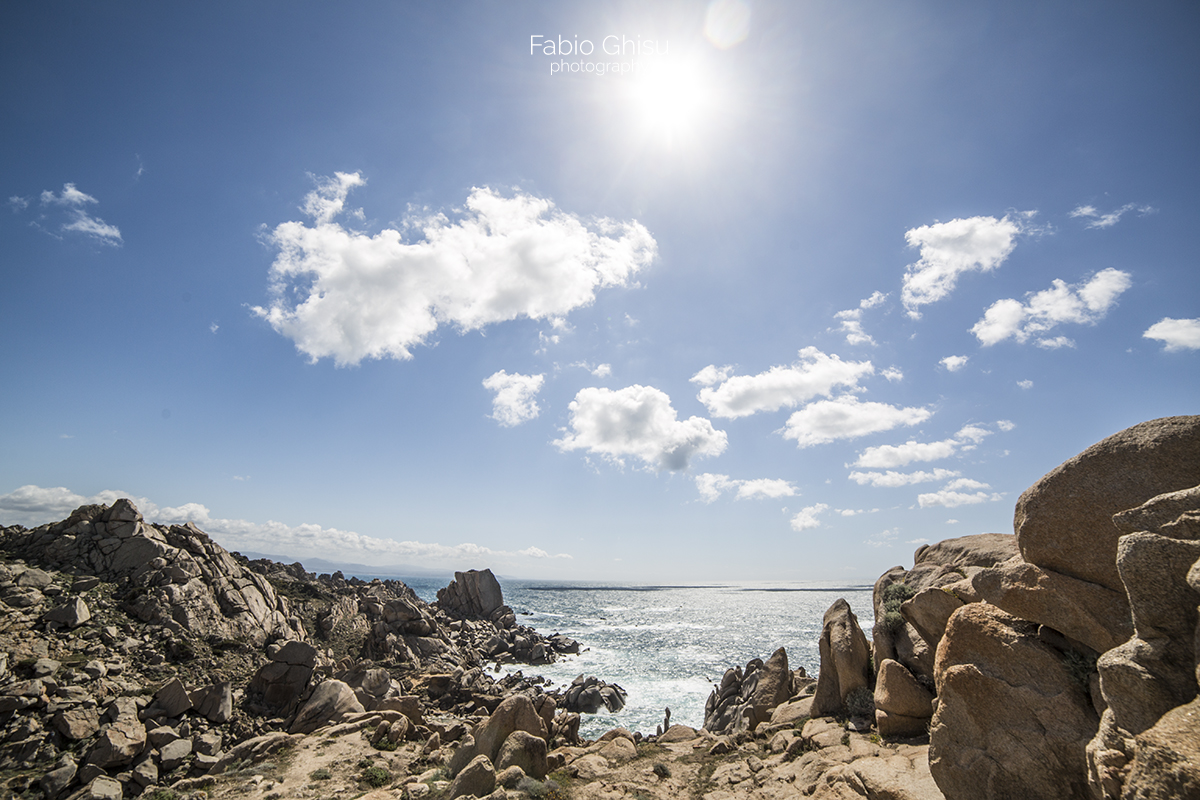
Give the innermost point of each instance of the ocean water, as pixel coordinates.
(668, 645)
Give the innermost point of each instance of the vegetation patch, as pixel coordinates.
(375, 776)
(860, 702)
(1080, 667)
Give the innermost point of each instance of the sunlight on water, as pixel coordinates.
(667, 646)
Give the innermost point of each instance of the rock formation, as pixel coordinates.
(845, 660)
(750, 697)
(140, 655)
(1069, 667)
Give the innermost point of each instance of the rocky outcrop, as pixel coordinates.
(1070, 669)
(476, 594)
(903, 706)
(1064, 522)
(179, 577)
(589, 695)
(747, 698)
(1146, 743)
(1012, 720)
(845, 660)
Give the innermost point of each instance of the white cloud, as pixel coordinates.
(514, 401)
(1097, 220)
(638, 421)
(1005, 425)
(892, 479)
(213, 328)
(602, 370)
(34, 505)
(884, 538)
(1055, 343)
(897, 455)
(852, 327)
(807, 518)
(950, 495)
(954, 363)
(876, 299)
(537, 552)
(854, 512)
(70, 197)
(711, 486)
(73, 202)
(893, 374)
(1175, 334)
(1084, 303)
(948, 249)
(852, 320)
(348, 295)
(814, 374)
(711, 375)
(1026, 384)
(847, 417)
(885, 456)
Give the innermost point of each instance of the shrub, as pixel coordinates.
(321, 774)
(892, 621)
(1080, 666)
(860, 702)
(662, 770)
(895, 595)
(376, 776)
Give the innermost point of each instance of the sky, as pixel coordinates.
(660, 292)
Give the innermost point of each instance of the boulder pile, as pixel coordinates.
(1060, 661)
(135, 655)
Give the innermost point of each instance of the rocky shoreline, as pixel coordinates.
(1060, 661)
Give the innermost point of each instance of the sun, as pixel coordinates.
(671, 100)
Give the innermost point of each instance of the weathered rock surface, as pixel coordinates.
(1090, 613)
(1155, 670)
(845, 660)
(330, 702)
(516, 713)
(1167, 761)
(524, 750)
(1064, 522)
(474, 594)
(898, 692)
(1011, 719)
(589, 695)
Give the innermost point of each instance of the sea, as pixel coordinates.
(668, 646)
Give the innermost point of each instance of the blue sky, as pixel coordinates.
(777, 293)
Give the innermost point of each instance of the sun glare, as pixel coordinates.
(671, 100)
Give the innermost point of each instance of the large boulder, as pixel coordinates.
(1166, 764)
(477, 779)
(773, 687)
(845, 659)
(898, 692)
(524, 750)
(122, 740)
(474, 594)
(587, 695)
(910, 633)
(746, 698)
(515, 713)
(1154, 671)
(278, 685)
(330, 702)
(1090, 613)
(1064, 522)
(1012, 719)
